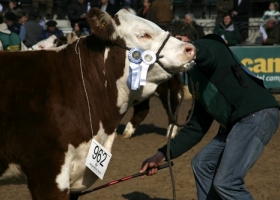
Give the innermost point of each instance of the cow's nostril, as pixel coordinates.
(189, 49)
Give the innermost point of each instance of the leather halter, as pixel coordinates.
(157, 54)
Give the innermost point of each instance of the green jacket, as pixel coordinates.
(10, 42)
(230, 33)
(234, 99)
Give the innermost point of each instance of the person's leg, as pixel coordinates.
(205, 164)
(244, 145)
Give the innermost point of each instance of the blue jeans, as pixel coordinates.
(220, 167)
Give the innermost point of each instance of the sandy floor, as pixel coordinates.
(263, 180)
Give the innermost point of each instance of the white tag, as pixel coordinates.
(144, 71)
(135, 68)
(98, 158)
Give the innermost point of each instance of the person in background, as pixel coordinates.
(11, 21)
(223, 7)
(33, 30)
(76, 12)
(14, 7)
(61, 9)
(107, 6)
(272, 12)
(147, 11)
(228, 31)
(51, 30)
(22, 17)
(76, 33)
(190, 19)
(9, 41)
(241, 17)
(49, 4)
(163, 12)
(273, 32)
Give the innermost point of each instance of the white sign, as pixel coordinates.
(98, 159)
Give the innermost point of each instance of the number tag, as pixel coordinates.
(98, 158)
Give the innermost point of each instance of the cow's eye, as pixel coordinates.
(146, 36)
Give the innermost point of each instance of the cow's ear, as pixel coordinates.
(101, 23)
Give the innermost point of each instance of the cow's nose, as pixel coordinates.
(190, 50)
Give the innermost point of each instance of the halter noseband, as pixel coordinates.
(157, 54)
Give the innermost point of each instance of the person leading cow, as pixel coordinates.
(246, 111)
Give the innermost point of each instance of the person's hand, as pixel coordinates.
(226, 41)
(83, 16)
(264, 41)
(152, 164)
(234, 12)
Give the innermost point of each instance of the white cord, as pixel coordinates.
(89, 112)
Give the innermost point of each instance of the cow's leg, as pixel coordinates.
(43, 188)
(141, 110)
(174, 101)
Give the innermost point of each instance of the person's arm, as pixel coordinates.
(265, 15)
(187, 137)
(22, 33)
(190, 134)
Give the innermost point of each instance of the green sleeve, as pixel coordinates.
(190, 134)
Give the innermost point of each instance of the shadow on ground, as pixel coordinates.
(143, 129)
(140, 196)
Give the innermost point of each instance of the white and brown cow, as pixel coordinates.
(45, 129)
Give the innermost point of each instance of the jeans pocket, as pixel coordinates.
(268, 126)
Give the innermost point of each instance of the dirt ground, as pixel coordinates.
(263, 180)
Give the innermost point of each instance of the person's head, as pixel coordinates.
(104, 2)
(22, 17)
(13, 4)
(273, 6)
(51, 26)
(10, 18)
(271, 22)
(78, 27)
(182, 30)
(227, 19)
(147, 3)
(190, 19)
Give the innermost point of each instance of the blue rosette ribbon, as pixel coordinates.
(135, 58)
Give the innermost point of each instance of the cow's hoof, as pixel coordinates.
(174, 131)
(128, 131)
(126, 135)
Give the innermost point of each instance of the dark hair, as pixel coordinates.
(276, 5)
(1, 18)
(80, 24)
(182, 28)
(20, 14)
(227, 14)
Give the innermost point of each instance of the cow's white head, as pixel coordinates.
(141, 33)
(175, 55)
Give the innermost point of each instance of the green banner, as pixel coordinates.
(264, 61)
